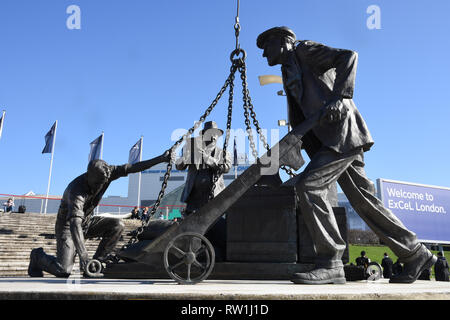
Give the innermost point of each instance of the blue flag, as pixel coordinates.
(135, 152)
(1, 123)
(235, 158)
(96, 148)
(49, 137)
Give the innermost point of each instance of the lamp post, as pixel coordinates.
(268, 79)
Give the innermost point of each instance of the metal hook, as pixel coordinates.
(237, 26)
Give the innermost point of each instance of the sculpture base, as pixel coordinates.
(222, 270)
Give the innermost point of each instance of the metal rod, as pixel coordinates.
(51, 165)
(140, 173)
(237, 26)
(101, 146)
(2, 122)
(97, 210)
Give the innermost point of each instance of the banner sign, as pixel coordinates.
(423, 209)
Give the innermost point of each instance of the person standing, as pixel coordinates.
(9, 205)
(362, 260)
(387, 264)
(135, 213)
(397, 268)
(319, 82)
(145, 215)
(441, 268)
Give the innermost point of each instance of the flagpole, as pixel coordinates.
(101, 147)
(101, 158)
(235, 158)
(51, 165)
(140, 173)
(3, 121)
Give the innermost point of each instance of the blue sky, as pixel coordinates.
(150, 67)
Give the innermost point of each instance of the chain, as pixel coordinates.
(238, 63)
(217, 173)
(248, 105)
(246, 114)
(230, 111)
(197, 124)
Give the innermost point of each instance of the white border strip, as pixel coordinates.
(434, 241)
(413, 184)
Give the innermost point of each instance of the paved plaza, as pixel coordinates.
(106, 289)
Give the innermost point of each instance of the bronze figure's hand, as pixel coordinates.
(169, 156)
(334, 112)
(84, 259)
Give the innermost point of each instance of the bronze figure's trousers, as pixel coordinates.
(109, 229)
(327, 167)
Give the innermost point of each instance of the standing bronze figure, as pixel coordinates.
(205, 161)
(317, 77)
(74, 222)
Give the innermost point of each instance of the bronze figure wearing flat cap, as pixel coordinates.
(318, 78)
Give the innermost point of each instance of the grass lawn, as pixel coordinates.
(375, 253)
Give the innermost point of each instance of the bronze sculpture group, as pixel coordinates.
(319, 82)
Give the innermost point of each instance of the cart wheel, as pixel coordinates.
(189, 258)
(94, 268)
(374, 271)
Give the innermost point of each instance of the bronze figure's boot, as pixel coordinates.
(414, 266)
(33, 268)
(320, 276)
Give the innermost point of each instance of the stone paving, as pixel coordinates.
(106, 289)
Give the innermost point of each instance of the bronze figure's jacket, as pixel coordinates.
(320, 75)
(186, 161)
(79, 201)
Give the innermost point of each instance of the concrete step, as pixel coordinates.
(16, 247)
(26, 251)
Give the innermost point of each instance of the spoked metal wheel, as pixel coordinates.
(94, 268)
(374, 271)
(189, 258)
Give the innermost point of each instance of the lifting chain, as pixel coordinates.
(220, 169)
(237, 58)
(197, 124)
(248, 105)
(238, 64)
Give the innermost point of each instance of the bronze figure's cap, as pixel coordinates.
(277, 31)
(211, 125)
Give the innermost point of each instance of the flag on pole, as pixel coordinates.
(96, 148)
(235, 158)
(49, 137)
(2, 119)
(135, 152)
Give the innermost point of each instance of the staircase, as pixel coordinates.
(20, 233)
